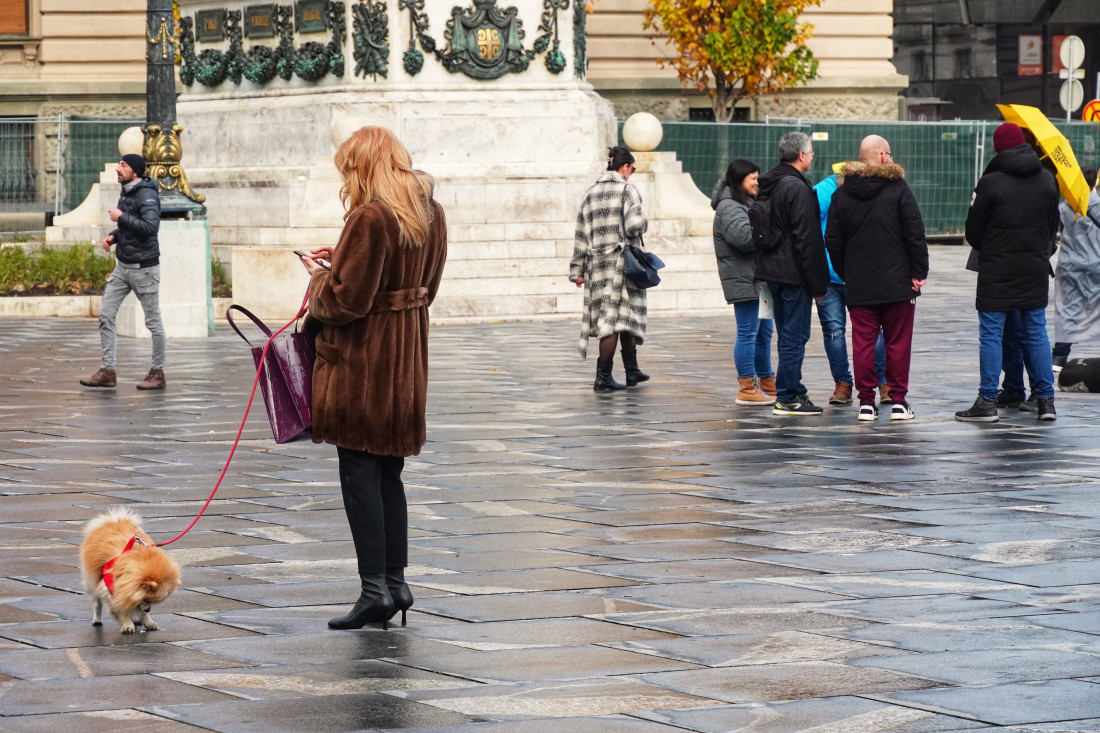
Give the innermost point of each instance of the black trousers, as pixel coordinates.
(374, 499)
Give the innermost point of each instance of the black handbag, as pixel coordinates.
(639, 266)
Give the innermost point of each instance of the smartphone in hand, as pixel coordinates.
(320, 263)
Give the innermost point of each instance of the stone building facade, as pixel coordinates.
(851, 40)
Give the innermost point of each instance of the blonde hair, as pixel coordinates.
(375, 166)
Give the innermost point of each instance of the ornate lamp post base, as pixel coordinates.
(162, 151)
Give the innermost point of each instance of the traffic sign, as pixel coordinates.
(1092, 111)
(1072, 52)
(1071, 95)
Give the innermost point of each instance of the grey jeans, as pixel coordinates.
(145, 282)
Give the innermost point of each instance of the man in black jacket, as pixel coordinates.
(875, 238)
(1012, 223)
(137, 268)
(795, 268)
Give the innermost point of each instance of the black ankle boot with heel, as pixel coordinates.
(375, 605)
(634, 375)
(604, 381)
(399, 591)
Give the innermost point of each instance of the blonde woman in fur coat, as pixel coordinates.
(370, 381)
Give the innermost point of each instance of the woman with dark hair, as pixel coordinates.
(733, 246)
(370, 381)
(614, 309)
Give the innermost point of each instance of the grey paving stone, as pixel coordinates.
(602, 724)
(106, 661)
(990, 667)
(519, 606)
(791, 681)
(96, 693)
(1069, 572)
(320, 714)
(114, 721)
(860, 562)
(742, 649)
(815, 714)
(322, 647)
(726, 595)
(1087, 621)
(1021, 632)
(560, 662)
(1013, 704)
(539, 579)
(688, 571)
(723, 622)
(931, 608)
(537, 633)
(897, 583)
(551, 699)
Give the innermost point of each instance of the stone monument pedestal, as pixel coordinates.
(185, 304)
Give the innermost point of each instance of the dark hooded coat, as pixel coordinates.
(1011, 225)
(798, 258)
(875, 235)
(370, 381)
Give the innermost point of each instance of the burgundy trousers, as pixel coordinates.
(896, 322)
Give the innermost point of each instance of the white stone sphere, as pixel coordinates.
(343, 128)
(642, 132)
(131, 141)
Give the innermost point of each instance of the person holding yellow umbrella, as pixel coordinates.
(1012, 225)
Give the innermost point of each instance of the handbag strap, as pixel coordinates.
(622, 219)
(249, 315)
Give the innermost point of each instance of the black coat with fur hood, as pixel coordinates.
(875, 235)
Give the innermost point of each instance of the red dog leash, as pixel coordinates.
(240, 430)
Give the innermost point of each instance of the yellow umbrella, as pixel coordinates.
(1056, 148)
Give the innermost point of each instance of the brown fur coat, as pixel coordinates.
(370, 381)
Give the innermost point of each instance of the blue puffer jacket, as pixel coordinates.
(136, 236)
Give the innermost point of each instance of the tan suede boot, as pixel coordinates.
(767, 385)
(842, 395)
(102, 378)
(750, 395)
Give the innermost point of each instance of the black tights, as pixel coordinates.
(374, 499)
(608, 343)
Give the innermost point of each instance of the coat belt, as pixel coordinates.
(399, 300)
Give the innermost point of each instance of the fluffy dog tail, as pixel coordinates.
(114, 514)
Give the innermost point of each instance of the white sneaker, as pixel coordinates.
(901, 411)
(867, 412)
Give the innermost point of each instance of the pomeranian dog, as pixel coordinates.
(125, 570)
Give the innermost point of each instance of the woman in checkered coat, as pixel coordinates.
(614, 309)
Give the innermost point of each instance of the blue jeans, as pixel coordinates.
(880, 358)
(792, 306)
(752, 350)
(1035, 347)
(1013, 358)
(831, 314)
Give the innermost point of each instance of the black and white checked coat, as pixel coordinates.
(611, 302)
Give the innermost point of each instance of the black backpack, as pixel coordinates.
(765, 235)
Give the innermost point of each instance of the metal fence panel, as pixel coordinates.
(49, 164)
(943, 160)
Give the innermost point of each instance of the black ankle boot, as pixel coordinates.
(634, 375)
(375, 605)
(604, 381)
(399, 590)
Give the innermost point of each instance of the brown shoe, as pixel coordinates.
(750, 395)
(884, 395)
(766, 385)
(842, 395)
(102, 378)
(153, 380)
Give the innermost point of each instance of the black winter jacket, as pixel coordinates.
(136, 237)
(733, 246)
(799, 256)
(875, 235)
(1012, 224)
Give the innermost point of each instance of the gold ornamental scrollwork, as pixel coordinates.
(162, 153)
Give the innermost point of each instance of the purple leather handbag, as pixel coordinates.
(286, 380)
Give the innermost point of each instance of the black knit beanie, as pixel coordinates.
(136, 163)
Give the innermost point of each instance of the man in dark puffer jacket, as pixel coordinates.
(795, 268)
(1012, 224)
(876, 241)
(137, 268)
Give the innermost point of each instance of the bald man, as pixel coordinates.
(875, 238)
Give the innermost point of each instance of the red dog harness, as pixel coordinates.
(108, 575)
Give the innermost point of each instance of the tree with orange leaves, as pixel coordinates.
(735, 49)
